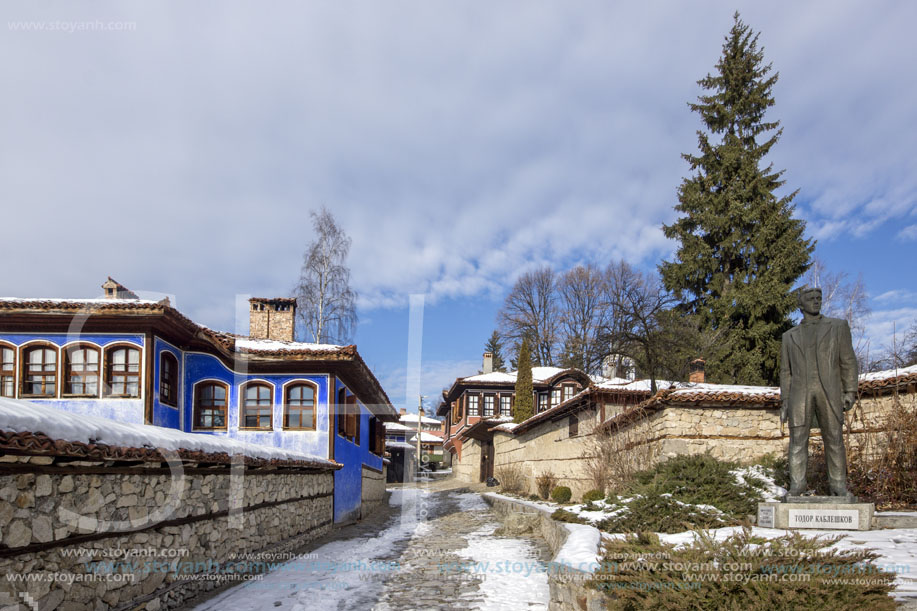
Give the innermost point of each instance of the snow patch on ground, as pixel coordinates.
(514, 577)
(772, 492)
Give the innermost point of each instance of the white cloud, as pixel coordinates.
(457, 143)
(886, 329)
(909, 233)
(434, 375)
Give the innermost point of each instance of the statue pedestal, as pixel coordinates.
(821, 513)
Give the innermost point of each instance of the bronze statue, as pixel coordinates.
(818, 383)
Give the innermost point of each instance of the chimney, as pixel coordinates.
(488, 362)
(403, 411)
(696, 371)
(116, 290)
(272, 318)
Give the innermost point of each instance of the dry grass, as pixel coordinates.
(614, 456)
(511, 478)
(545, 483)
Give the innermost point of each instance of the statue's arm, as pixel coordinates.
(785, 377)
(848, 364)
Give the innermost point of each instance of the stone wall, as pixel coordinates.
(468, 468)
(93, 535)
(373, 490)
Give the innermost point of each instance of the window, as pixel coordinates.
(210, 406)
(473, 406)
(342, 412)
(299, 407)
(376, 436)
(573, 424)
(122, 372)
(488, 405)
(555, 397)
(505, 405)
(81, 370)
(168, 379)
(568, 391)
(7, 371)
(542, 401)
(257, 406)
(39, 373)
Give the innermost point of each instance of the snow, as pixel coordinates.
(513, 577)
(730, 388)
(507, 427)
(888, 374)
(539, 374)
(24, 417)
(278, 346)
(771, 493)
(580, 551)
(427, 438)
(343, 574)
(638, 385)
(896, 548)
(62, 300)
(394, 426)
(412, 419)
(400, 444)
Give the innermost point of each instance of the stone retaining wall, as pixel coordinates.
(568, 589)
(94, 535)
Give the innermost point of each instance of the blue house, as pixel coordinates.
(142, 361)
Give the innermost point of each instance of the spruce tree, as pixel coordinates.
(524, 407)
(494, 345)
(739, 248)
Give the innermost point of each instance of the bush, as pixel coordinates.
(593, 495)
(545, 483)
(662, 513)
(511, 478)
(561, 494)
(729, 577)
(562, 515)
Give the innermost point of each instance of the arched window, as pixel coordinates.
(39, 373)
(122, 372)
(210, 400)
(7, 371)
(257, 406)
(168, 379)
(81, 370)
(299, 407)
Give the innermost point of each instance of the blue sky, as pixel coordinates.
(179, 147)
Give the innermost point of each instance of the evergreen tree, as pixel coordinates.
(740, 250)
(524, 407)
(494, 345)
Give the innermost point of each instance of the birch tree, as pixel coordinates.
(324, 300)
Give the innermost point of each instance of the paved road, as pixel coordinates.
(428, 549)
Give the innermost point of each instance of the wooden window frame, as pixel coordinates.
(128, 375)
(67, 370)
(475, 399)
(509, 405)
(341, 413)
(493, 406)
(9, 373)
(285, 419)
(170, 398)
(557, 393)
(243, 406)
(196, 411)
(572, 390)
(24, 350)
(539, 403)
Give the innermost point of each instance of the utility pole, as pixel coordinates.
(419, 418)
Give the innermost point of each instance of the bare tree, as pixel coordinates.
(531, 310)
(843, 298)
(324, 299)
(585, 308)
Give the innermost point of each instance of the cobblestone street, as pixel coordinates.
(429, 549)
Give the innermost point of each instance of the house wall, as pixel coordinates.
(372, 494)
(468, 467)
(123, 410)
(348, 481)
(199, 367)
(125, 538)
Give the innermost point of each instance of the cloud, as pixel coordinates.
(434, 375)
(909, 233)
(886, 329)
(457, 144)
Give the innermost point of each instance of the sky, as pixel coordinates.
(179, 147)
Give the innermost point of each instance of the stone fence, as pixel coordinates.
(85, 534)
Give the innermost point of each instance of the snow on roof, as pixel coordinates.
(506, 427)
(279, 346)
(427, 438)
(888, 374)
(400, 445)
(539, 374)
(64, 301)
(19, 416)
(424, 420)
(687, 389)
(396, 426)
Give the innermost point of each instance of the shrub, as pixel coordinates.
(562, 515)
(593, 495)
(545, 483)
(729, 577)
(561, 494)
(511, 478)
(615, 455)
(662, 513)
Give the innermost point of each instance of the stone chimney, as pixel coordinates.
(696, 371)
(116, 290)
(272, 318)
(488, 366)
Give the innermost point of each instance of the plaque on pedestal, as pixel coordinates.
(816, 514)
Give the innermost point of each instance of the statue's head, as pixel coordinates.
(809, 299)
